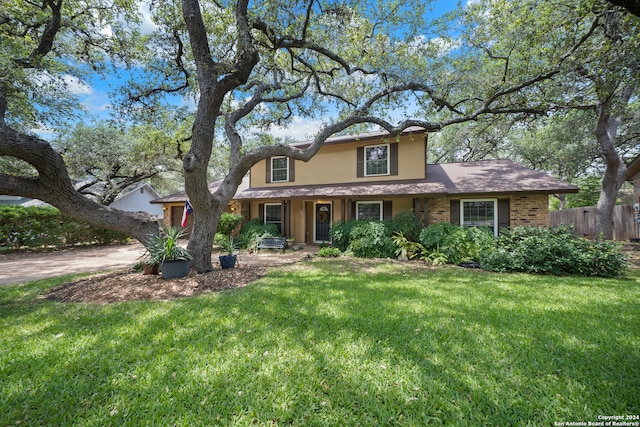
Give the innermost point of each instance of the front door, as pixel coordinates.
(322, 222)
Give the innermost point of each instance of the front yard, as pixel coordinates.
(329, 342)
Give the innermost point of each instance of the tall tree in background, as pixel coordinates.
(599, 78)
(104, 161)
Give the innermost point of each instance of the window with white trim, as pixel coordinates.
(273, 215)
(376, 160)
(479, 213)
(279, 169)
(369, 211)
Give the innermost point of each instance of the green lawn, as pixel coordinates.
(337, 343)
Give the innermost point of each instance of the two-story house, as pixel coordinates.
(375, 176)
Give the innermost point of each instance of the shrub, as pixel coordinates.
(371, 239)
(554, 251)
(252, 231)
(340, 233)
(36, 227)
(457, 243)
(329, 252)
(228, 223)
(405, 248)
(407, 224)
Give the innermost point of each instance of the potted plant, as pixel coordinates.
(229, 260)
(163, 249)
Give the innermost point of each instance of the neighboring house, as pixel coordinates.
(633, 175)
(138, 199)
(374, 176)
(12, 200)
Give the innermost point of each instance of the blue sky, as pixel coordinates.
(95, 96)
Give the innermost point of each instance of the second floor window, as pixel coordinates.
(279, 169)
(376, 160)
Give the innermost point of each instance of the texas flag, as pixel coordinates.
(185, 213)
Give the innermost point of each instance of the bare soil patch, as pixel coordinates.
(133, 285)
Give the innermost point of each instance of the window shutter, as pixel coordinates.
(454, 212)
(268, 160)
(360, 163)
(261, 212)
(504, 214)
(353, 209)
(284, 215)
(393, 158)
(387, 210)
(292, 170)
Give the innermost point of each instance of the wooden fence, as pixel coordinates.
(582, 219)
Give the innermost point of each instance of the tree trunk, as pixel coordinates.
(201, 240)
(615, 169)
(613, 179)
(53, 186)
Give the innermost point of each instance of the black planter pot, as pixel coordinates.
(228, 261)
(174, 269)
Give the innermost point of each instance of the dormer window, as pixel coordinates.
(279, 169)
(376, 160)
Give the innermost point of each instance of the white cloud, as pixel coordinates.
(438, 46)
(71, 84)
(300, 129)
(147, 26)
(76, 86)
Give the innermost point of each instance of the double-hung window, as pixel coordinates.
(369, 211)
(273, 215)
(479, 213)
(376, 160)
(279, 169)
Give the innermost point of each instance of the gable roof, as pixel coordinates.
(181, 196)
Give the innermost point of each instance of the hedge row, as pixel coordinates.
(38, 227)
(521, 249)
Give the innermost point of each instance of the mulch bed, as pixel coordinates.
(133, 285)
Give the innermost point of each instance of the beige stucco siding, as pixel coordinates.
(336, 163)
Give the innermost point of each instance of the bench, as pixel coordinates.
(272, 243)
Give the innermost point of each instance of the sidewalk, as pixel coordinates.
(21, 268)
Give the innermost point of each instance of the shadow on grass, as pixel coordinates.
(331, 345)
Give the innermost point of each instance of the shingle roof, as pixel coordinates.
(468, 179)
(495, 176)
(181, 196)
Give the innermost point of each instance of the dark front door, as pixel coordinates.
(323, 222)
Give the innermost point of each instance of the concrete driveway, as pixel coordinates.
(21, 268)
(27, 267)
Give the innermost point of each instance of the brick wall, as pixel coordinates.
(438, 210)
(530, 210)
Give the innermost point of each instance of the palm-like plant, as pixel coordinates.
(164, 246)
